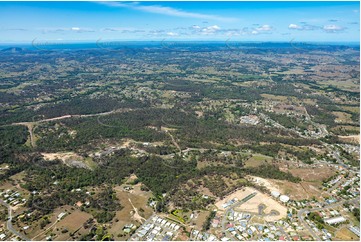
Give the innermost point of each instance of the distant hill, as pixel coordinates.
(13, 49)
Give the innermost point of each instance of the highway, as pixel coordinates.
(9, 224)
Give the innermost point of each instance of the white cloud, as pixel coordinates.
(72, 29)
(172, 34)
(123, 30)
(13, 29)
(167, 11)
(196, 27)
(265, 27)
(294, 26)
(211, 29)
(54, 30)
(332, 28)
(304, 26)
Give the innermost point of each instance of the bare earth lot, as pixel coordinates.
(251, 205)
(136, 198)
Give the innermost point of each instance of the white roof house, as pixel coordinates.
(335, 220)
(284, 198)
(275, 194)
(61, 215)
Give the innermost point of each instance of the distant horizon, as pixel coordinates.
(325, 21)
(66, 42)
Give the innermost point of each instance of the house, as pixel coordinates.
(61, 215)
(215, 223)
(231, 229)
(79, 203)
(355, 230)
(2, 236)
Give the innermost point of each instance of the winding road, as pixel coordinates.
(32, 124)
(9, 225)
(302, 211)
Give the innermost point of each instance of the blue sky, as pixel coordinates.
(238, 21)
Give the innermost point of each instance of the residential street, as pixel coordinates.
(9, 224)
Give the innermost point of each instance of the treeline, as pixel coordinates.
(270, 171)
(288, 121)
(213, 91)
(133, 124)
(273, 150)
(207, 224)
(104, 205)
(320, 115)
(56, 182)
(12, 142)
(82, 104)
(145, 125)
(189, 198)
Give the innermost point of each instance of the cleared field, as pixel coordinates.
(72, 223)
(355, 109)
(344, 85)
(252, 205)
(60, 155)
(345, 234)
(257, 160)
(351, 138)
(37, 233)
(74, 220)
(310, 101)
(311, 186)
(313, 174)
(348, 128)
(264, 182)
(202, 216)
(282, 108)
(342, 117)
(292, 71)
(136, 198)
(298, 191)
(274, 97)
(70, 158)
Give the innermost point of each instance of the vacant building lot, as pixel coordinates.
(252, 206)
(73, 223)
(127, 215)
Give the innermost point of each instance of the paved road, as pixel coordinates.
(224, 219)
(336, 154)
(9, 224)
(32, 125)
(335, 185)
(302, 211)
(280, 228)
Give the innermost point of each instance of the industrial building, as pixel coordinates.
(335, 220)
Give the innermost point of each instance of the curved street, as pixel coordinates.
(302, 211)
(9, 225)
